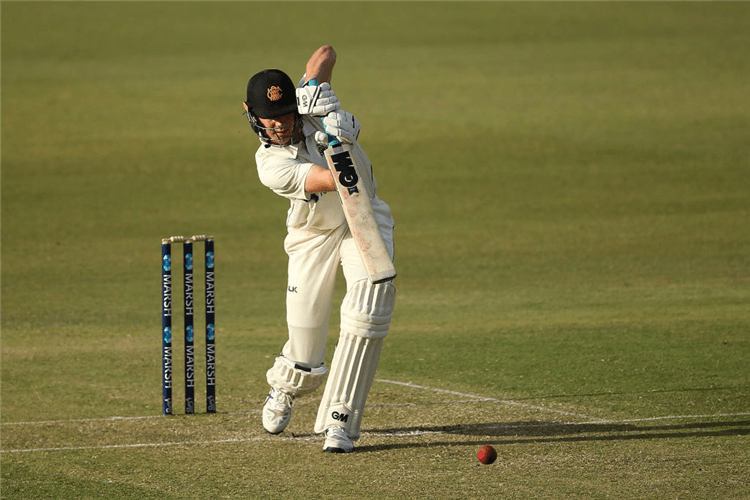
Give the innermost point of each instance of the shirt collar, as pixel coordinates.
(285, 151)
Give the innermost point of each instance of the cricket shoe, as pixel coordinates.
(337, 441)
(277, 411)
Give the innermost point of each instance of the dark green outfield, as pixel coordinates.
(571, 185)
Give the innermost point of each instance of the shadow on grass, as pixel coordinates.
(549, 432)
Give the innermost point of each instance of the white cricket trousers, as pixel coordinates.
(314, 258)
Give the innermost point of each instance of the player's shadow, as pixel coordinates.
(546, 432)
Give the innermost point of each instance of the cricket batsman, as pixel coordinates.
(296, 126)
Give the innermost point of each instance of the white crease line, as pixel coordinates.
(482, 398)
(106, 419)
(668, 417)
(43, 422)
(155, 445)
(471, 398)
(533, 425)
(414, 433)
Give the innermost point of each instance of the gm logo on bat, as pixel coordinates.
(343, 164)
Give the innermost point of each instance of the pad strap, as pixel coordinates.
(294, 379)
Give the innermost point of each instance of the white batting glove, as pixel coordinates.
(322, 138)
(343, 125)
(317, 100)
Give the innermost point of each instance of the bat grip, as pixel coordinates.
(332, 141)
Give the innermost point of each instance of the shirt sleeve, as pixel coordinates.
(284, 176)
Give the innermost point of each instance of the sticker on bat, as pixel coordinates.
(348, 178)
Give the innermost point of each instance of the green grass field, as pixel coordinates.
(571, 185)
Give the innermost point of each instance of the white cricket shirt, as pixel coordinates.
(285, 169)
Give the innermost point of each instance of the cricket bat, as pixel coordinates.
(358, 211)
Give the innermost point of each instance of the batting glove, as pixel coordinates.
(317, 100)
(343, 125)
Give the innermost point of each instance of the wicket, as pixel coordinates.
(166, 322)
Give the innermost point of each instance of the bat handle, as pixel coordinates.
(332, 141)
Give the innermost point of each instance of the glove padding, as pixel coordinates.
(344, 126)
(317, 100)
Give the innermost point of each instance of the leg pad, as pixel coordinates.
(365, 319)
(353, 370)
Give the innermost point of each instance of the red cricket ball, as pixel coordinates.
(487, 454)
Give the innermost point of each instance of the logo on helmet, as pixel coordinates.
(274, 93)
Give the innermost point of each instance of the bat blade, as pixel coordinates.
(359, 214)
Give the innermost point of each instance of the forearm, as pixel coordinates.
(321, 63)
(320, 67)
(319, 180)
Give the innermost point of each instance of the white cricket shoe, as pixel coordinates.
(337, 441)
(277, 411)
